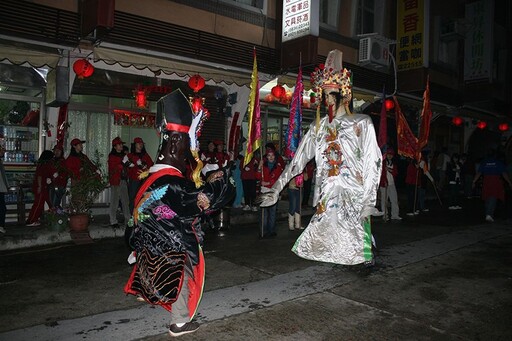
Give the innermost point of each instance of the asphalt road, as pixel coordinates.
(442, 276)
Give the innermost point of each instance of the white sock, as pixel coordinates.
(179, 325)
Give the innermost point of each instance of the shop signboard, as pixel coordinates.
(412, 34)
(300, 19)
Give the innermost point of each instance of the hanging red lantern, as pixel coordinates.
(503, 127)
(389, 104)
(278, 91)
(481, 124)
(83, 68)
(457, 121)
(141, 98)
(196, 83)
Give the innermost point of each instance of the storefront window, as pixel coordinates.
(19, 139)
(97, 129)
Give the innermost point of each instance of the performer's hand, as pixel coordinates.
(215, 176)
(202, 201)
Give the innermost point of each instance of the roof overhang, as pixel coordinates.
(159, 62)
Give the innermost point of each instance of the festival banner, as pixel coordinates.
(254, 119)
(294, 130)
(407, 142)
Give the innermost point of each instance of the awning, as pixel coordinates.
(19, 56)
(156, 64)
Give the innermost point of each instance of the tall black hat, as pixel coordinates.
(174, 113)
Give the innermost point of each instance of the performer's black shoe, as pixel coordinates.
(187, 328)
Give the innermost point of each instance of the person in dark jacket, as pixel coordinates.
(40, 188)
(139, 163)
(59, 178)
(454, 181)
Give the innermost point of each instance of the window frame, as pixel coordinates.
(337, 20)
(235, 3)
(379, 6)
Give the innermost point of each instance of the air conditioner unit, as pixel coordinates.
(374, 51)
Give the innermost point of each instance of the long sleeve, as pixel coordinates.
(305, 152)
(372, 163)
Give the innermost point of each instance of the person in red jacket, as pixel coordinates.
(308, 181)
(222, 156)
(387, 186)
(76, 160)
(249, 178)
(209, 156)
(117, 161)
(139, 162)
(271, 168)
(40, 188)
(59, 177)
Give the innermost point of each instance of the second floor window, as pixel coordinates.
(365, 17)
(259, 4)
(329, 13)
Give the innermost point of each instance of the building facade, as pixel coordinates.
(157, 45)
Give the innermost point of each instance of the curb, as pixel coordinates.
(44, 237)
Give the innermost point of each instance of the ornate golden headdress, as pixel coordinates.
(332, 76)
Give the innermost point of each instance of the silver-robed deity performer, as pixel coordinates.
(348, 162)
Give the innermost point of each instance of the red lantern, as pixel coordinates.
(457, 121)
(83, 68)
(141, 99)
(389, 104)
(196, 83)
(312, 98)
(278, 91)
(503, 127)
(481, 124)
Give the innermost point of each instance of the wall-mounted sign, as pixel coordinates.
(412, 34)
(478, 44)
(300, 18)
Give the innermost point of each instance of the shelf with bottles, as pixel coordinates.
(20, 144)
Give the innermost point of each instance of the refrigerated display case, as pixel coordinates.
(20, 145)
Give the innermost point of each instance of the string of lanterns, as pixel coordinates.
(458, 121)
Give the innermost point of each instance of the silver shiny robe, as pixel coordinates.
(348, 171)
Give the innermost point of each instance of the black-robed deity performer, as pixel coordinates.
(167, 235)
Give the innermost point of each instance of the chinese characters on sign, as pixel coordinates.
(478, 43)
(296, 19)
(411, 42)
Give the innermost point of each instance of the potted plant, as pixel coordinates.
(55, 219)
(83, 192)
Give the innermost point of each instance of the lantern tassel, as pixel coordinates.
(196, 174)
